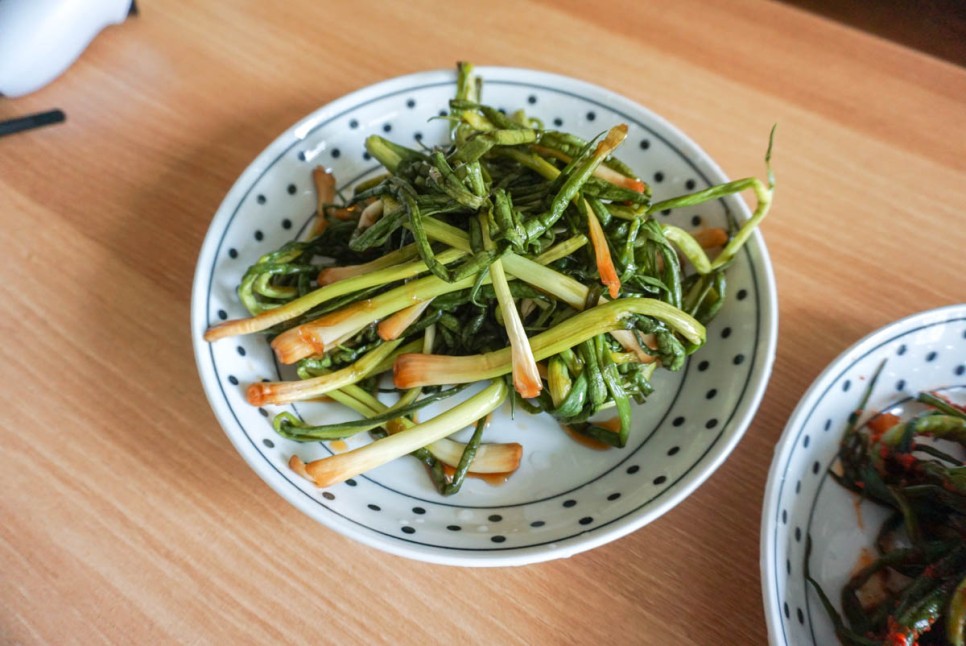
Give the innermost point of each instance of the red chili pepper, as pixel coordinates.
(906, 460)
(880, 424)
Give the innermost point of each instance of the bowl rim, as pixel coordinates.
(699, 472)
(788, 441)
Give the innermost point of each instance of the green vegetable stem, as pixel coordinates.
(515, 255)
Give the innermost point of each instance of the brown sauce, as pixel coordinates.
(339, 446)
(613, 425)
(492, 479)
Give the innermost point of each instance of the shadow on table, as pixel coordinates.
(158, 241)
(936, 27)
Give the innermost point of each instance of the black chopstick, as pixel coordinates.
(31, 121)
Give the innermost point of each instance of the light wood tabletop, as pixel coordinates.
(126, 514)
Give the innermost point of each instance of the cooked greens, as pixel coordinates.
(913, 591)
(515, 255)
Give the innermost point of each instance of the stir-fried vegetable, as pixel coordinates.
(484, 260)
(914, 590)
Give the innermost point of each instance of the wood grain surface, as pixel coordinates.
(127, 517)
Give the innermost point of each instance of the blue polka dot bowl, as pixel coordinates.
(565, 497)
(926, 351)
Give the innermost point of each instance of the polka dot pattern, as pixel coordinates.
(406, 513)
(805, 500)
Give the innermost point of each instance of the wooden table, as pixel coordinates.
(111, 527)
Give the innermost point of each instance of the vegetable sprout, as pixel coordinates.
(514, 255)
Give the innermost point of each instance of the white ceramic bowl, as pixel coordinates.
(926, 351)
(565, 498)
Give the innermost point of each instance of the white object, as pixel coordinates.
(565, 498)
(40, 39)
(925, 351)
